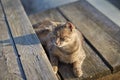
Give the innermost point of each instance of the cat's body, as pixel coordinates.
(63, 42)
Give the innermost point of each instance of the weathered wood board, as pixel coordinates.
(34, 60)
(105, 23)
(9, 68)
(108, 9)
(93, 67)
(108, 47)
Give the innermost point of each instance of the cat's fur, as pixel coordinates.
(63, 42)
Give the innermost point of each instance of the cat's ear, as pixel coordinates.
(70, 26)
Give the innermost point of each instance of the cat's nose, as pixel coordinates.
(57, 43)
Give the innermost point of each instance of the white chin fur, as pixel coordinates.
(58, 45)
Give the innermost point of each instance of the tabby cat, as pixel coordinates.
(63, 42)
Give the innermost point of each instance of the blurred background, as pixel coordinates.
(33, 6)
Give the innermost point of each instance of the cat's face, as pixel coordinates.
(63, 34)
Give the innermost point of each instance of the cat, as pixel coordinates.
(63, 42)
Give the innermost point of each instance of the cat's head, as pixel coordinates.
(63, 34)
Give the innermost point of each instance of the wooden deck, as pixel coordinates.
(22, 56)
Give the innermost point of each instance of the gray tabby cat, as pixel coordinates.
(63, 42)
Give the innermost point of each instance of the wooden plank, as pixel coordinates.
(105, 23)
(114, 76)
(109, 10)
(93, 67)
(9, 68)
(104, 43)
(34, 60)
(39, 17)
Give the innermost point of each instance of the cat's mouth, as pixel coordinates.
(58, 44)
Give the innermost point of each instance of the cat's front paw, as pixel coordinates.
(55, 69)
(77, 72)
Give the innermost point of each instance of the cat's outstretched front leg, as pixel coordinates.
(54, 63)
(77, 68)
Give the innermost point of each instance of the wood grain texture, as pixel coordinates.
(93, 67)
(34, 60)
(105, 23)
(108, 47)
(9, 69)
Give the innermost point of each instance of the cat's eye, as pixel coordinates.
(62, 39)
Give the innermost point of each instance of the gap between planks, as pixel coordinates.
(105, 23)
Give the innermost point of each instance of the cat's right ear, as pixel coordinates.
(70, 26)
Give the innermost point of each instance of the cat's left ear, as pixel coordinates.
(70, 26)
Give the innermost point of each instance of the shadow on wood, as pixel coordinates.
(21, 40)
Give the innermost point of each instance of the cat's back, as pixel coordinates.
(44, 28)
(44, 25)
